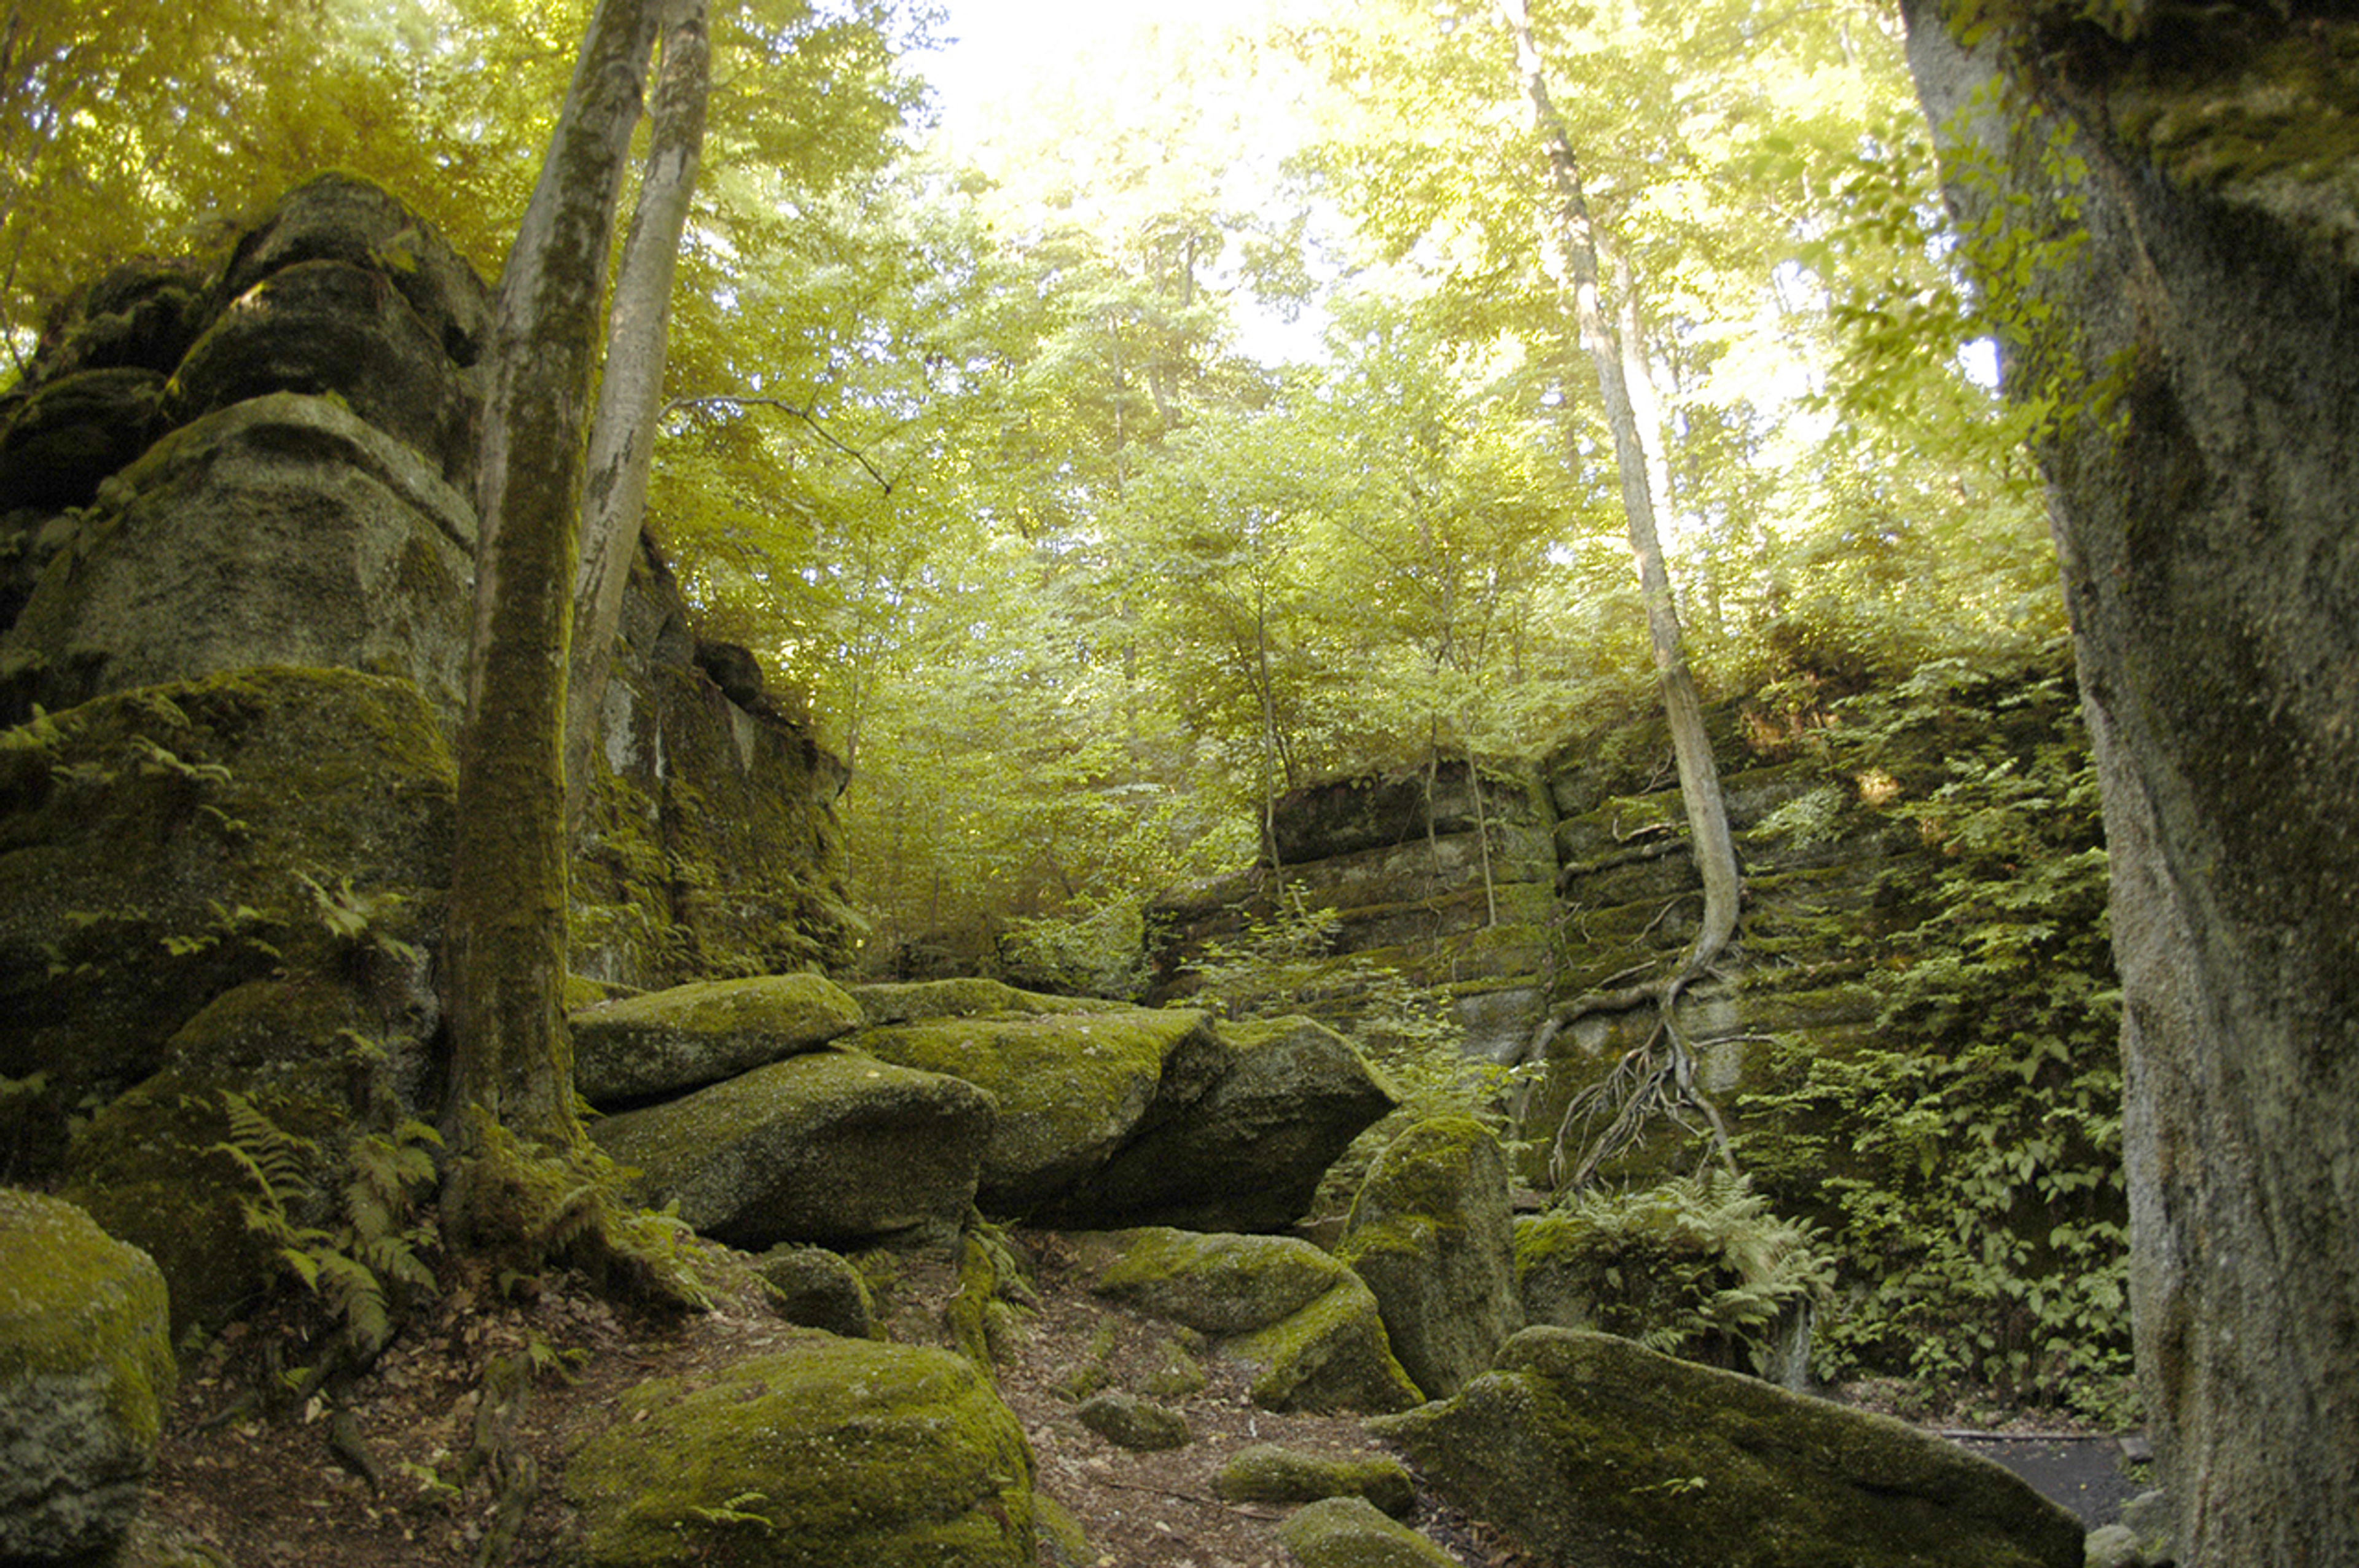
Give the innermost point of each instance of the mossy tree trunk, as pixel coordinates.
(511, 1090)
(1662, 1075)
(2188, 181)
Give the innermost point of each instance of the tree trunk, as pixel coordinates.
(630, 393)
(2204, 356)
(511, 1066)
(1658, 1080)
(1714, 849)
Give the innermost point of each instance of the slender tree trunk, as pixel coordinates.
(630, 393)
(511, 1069)
(1661, 1073)
(1714, 848)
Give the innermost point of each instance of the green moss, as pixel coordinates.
(74, 1300)
(840, 1454)
(1266, 1472)
(1071, 1088)
(1216, 1284)
(1349, 1532)
(1331, 1356)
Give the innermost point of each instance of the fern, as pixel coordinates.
(365, 1270)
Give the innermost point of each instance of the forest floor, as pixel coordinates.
(381, 1480)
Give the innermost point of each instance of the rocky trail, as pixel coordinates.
(296, 1489)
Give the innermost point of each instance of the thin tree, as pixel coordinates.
(510, 1119)
(1658, 1078)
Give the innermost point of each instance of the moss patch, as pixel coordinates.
(840, 1454)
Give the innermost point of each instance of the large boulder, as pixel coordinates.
(1431, 1234)
(1249, 1153)
(827, 1146)
(1594, 1451)
(336, 217)
(161, 847)
(85, 1368)
(1071, 1088)
(837, 1453)
(911, 1002)
(662, 1041)
(1307, 1324)
(282, 530)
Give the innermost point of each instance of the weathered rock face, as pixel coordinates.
(281, 530)
(1431, 1234)
(838, 1453)
(1248, 1153)
(1072, 1088)
(2202, 287)
(1596, 1452)
(85, 1368)
(160, 848)
(828, 1146)
(1402, 860)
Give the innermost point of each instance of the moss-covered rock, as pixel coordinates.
(1129, 1421)
(1350, 1532)
(68, 434)
(818, 1289)
(1269, 1473)
(316, 1056)
(1594, 1451)
(828, 1146)
(85, 1368)
(1306, 1322)
(279, 530)
(1248, 1154)
(1431, 1234)
(838, 1453)
(661, 1041)
(162, 847)
(1071, 1088)
(913, 1002)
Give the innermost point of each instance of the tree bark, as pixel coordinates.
(1658, 1080)
(1707, 812)
(2204, 356)
(505, 957)
(630, 393)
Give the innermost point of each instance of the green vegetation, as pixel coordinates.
(1965, 1155)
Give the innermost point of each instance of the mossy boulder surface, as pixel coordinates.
(838, 1453)
(1268, 1473)
(1306, 1321)
(1352, 1532)
(690, 1036)
(162, 847)
(85, 1368)
(1248, 1154)
(321, 1057)
(1431, 1234)
(1595, 1451)
(827, 1146)
(1071, 1088)
(911, 1002)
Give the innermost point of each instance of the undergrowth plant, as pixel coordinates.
(1967, 1159)
(1697, 1267)
(360, 1249)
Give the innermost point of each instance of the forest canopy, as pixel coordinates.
(1196, 426)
